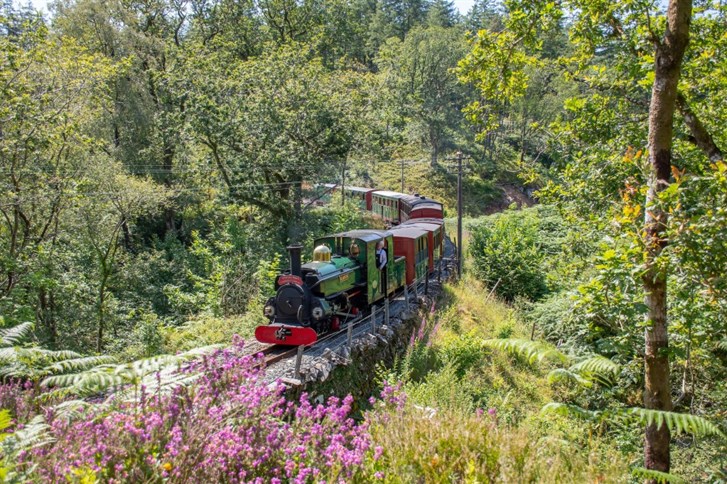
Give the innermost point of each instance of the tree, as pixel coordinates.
(419, 73)
(483, 15)
(53, 93)
(105, 221)
(395, 18)
(143, 125)
(669, 53)
(616, 41)
(441, 13)
(269, 124)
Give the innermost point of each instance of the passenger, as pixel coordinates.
(381, 260)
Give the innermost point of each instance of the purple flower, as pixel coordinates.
(230, 426)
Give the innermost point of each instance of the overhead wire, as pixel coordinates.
(177, 191)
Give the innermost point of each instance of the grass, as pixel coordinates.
(473, 414)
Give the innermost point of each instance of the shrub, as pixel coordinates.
(507, 255)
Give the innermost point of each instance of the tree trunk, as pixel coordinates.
(101, 312)
(667, 67)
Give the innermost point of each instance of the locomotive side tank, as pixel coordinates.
(361, 245)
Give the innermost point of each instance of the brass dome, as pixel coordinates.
(322, 254)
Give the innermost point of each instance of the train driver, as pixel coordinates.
(381, 260)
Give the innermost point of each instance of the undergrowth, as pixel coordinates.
(473, 412)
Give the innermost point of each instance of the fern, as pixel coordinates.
(49, 355)
(561, 374)
(6, 353)
(597, 368)
(660, 477)
(531, 350)
(88, 382)
(676, 422)
(156, 373)
(78, 364)
(34, 434)
(30, 362)
(73, 409)
(15, 335)
(571, 411)
(5, 422)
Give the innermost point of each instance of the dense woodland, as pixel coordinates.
(156, 156)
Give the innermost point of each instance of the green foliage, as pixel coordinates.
(440, 435)
(532, 351)
(22, 361)
(508, 258)
(570, 410)
(418, 72)
(676, 422)
(598, 368)
(154, 373)
(657, 476)
(33, 434)
(562, 374)
(15, 335)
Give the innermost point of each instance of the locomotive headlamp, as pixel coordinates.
(317, 313)
(269, 311)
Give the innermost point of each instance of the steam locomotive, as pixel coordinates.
(343, 279)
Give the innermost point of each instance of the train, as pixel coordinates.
(343, 279)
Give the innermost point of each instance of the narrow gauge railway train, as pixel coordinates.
(343, 278)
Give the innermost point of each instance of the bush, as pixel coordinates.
(507, 255)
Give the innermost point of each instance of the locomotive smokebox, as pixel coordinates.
(294, 251)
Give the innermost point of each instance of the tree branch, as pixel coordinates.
(699, 134)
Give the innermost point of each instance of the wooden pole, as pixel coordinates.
(402, 176)
(459, 214)
(298, 361)
(343, 184)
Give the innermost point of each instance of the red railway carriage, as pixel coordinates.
(413, 244)
(417, 207)
(435, 233)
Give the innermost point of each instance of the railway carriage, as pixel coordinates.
(435, 235)
(386, 205)
(361, 195)
(412, 243)
(417, 207)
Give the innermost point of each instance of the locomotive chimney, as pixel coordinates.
(294, 251)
